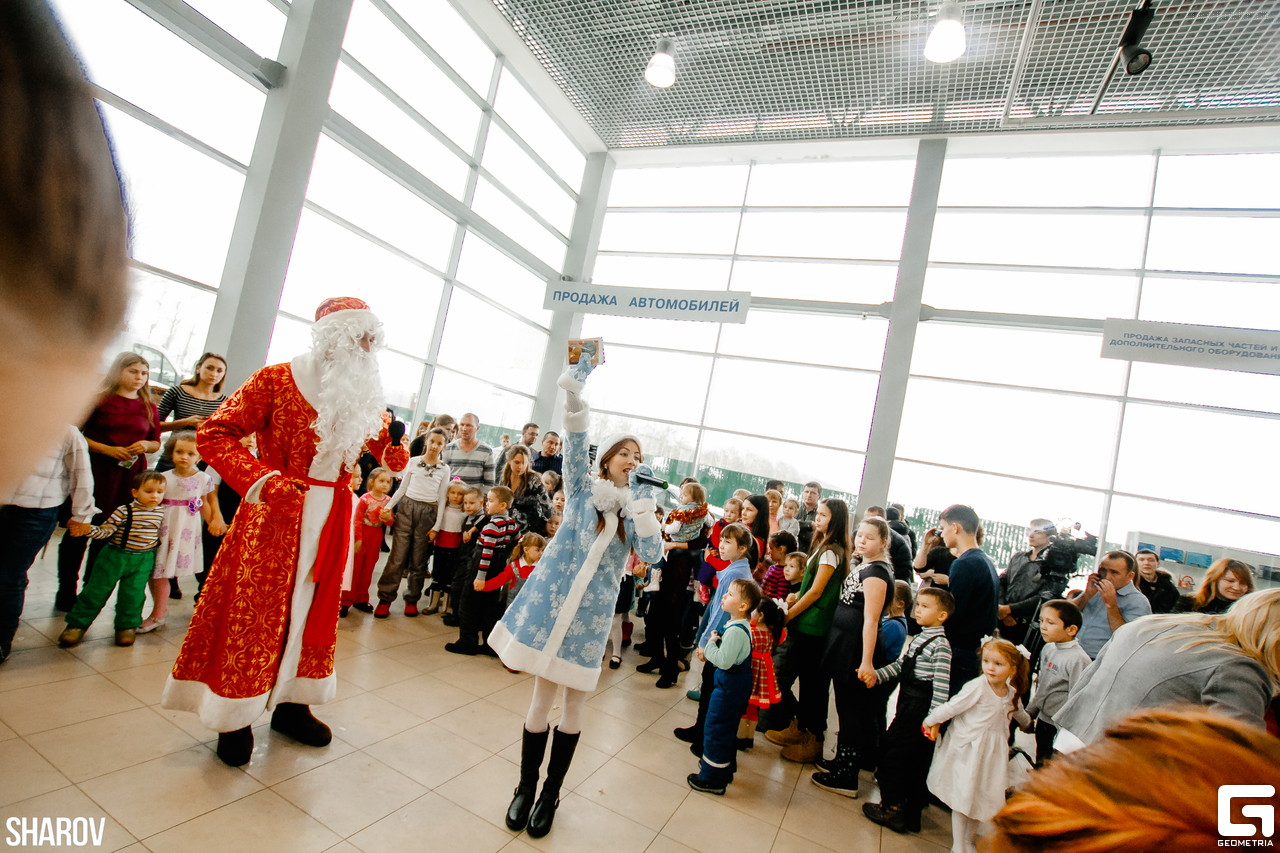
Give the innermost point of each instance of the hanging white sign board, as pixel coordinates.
(711, 306)
(1221, 347)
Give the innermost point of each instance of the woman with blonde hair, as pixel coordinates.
(1225, 582)
(1228, 663)
(1150, 783)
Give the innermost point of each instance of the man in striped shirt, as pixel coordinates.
(469, 459)
(925, 673)
(132, 531)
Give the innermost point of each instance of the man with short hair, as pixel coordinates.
(469, 459)
(549, 458)
(1155, 583)
(974, 585)
(896, 515)
(1109, 599)
(528, 438)
(899, 547)
(1025, 584)
(809, 497)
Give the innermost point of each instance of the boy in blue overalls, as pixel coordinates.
(730, 654)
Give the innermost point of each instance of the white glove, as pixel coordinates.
(642, 514)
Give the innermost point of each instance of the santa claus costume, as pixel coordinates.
(264, 633)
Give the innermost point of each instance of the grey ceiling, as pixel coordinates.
(775, 70)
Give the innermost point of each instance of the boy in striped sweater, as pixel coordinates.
(132, 531)
(481, 602)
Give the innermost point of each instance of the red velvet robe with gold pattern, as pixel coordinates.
(231, 658)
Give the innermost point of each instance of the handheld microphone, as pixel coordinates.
(650, 480)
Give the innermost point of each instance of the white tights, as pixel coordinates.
(544, 696)
(615, 635)
(964, 833)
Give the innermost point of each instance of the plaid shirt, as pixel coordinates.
(63, 472)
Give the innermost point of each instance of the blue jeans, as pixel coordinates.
(23, 533)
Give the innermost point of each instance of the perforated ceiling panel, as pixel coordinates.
(773, 70)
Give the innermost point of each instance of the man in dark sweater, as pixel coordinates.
(900, 554)
(974, 585)
(1156, 584)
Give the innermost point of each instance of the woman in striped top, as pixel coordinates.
(193, 400)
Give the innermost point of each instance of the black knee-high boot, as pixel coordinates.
(532, 749)
(544, 811)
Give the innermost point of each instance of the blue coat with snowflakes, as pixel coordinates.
(558, 625)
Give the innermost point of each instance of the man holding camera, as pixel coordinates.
(1109, 599)
(1037, 575)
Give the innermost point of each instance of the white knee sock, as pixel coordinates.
(544, 696)
(964, 830)
(571, 719)
(615, 636)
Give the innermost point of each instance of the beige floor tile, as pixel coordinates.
(373, 670)
(483, 723)
(62, 703)
(484, 789)
(84, 750)
(366, 719)
(153, 796)
(606, 732)
(582, 826)
(663, 844)
(428, 754)
(788, 842)
(346, 689)
(703, 822)
(378, 634)
(276, 757)
(935, 826)
(432, 823)
(830, 820)
(6, 733)
(261, 821)
(27, 637)
(764, 759)
(758, 796)
(634, 793)
(350, 793)
(677, 717)
(189, 723)
(519, 845)
(343, 847)
(480, 675)
(144, 683)
(40, 666)
(72, 803)
(26, 773)
(661, 755)
(628, 706)
(515, 698)
(105, 656)
(423, 655)
(892, 842)
(426, 696)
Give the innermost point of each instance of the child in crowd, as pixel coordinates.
(924, 676)
(551, 481)
(369, 532)
(969, 766)
(524, 557)
(775, 583)
(774, 498)
(788, 518)
(767, 629)
(481, 603)
(1061, 663)
(793, 573)
(893, 627)
(128, 559)
(711, 561)
(741, 494)
(729, 657)
(472, 524)
(557, 501)
(684, 524)
(423, 491)
(554, 520)
(735, 547)
(187, 506)
(446, 542)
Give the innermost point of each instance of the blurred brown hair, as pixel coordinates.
(63, 227)
(1150, 783)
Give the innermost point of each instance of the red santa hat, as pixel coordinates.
(335, 304)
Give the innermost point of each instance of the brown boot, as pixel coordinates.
(785, 737)
(807, 751)
(125, 637)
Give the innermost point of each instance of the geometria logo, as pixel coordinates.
(1246, 834)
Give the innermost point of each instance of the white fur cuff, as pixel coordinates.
(570, 383)
(642, 513)
(577, 421)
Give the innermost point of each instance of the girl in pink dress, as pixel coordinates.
(187, 507)
(369, 533)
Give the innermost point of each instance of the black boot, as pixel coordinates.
(297, 722)
(532, 749)
(843, 777)
(235, 748)
(544, 811)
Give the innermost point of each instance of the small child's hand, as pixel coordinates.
(869, 678)
(466, 537)
(431, 536)
(478, 585)
(79, 528)
(217, 527)
(698, 653)
(715, 636)
(931, 732)
(791, 599)
(386, 517)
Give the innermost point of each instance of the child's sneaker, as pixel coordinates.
(382, 611)
(698, 784)
(411, 610)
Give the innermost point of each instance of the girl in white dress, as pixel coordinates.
(969, 766)
(187, 506)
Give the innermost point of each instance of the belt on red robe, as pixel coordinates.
(331, 562)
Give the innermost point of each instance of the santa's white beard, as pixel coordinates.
(351, 401)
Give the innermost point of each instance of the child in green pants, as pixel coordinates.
(133, 531)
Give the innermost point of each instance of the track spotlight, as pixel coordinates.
(1136, 59)
(946, 41)
(661, 70)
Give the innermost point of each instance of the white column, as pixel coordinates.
(267, 221)
(579, 261)
(904, 317)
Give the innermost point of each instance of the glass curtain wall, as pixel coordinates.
(430, 133)
(183, 139)
(789, 394)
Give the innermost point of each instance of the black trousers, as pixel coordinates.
(1045, 733)
(478, 612)
(904, 765)
(861, 711)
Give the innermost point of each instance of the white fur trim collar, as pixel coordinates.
(608, 498)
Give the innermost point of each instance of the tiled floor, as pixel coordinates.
(424, 756)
